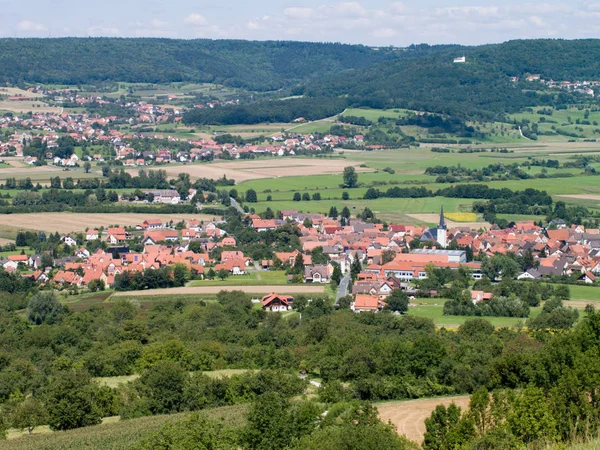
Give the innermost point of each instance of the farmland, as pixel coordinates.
(258, 169)
(408, 166)
(409, 416)
(113, 434)
(77, 222)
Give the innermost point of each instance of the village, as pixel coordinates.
(373, 259)
(104, 130)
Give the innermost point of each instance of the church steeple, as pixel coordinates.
(442, 230)
(442, 224)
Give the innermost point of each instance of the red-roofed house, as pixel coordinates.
(275, 302)
(366, 303)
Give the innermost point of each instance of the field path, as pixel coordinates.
(409, 416)
(200, 290)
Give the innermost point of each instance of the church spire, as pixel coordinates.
(442, 221)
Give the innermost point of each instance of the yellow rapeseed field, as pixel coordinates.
(461, 217)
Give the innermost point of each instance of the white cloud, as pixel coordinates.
(28, 25)
(384, 33)
(537, 21)
(399, 8)
(196, 20)
(298, 12)
(103, 31)
(253, 25)
(351, 9)
(156, 23)
(468, 11)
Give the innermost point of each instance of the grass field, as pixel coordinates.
(434, 309)
(254, 278)
(113, 434)
(585, 293)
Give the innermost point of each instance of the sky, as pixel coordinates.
(368, 22)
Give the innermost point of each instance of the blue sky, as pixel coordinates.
(372, 22)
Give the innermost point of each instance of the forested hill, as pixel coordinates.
(253, 65)
(480, 86)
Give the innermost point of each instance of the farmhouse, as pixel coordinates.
(275, 302)
(318, 273)
(167, 196)
(116, 235)
(367, 303)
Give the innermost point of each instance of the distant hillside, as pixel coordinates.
(253, 65)
(481, 86)
(418, 77)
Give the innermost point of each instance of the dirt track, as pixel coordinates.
(199, 290)
(409, 417)
(71, 222)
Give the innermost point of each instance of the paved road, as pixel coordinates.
(343, 288)
(236, 205)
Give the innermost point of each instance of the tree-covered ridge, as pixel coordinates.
(248, 64)
(481, 86)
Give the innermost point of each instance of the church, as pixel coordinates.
(438, 234)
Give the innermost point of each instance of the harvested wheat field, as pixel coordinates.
(71, 222)
(409, 417)
(435, 218)
(204, 290)
(24, 106)
(262, 168)
(594, 197)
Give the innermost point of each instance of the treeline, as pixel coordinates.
(493, 172)
(528, 199)
(254, 65)
(267, 111)
(553, 405)
(161, 278)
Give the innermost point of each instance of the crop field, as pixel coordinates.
(65, 222)
(259, 168)
(434, 218)
(406, 168)
(390, 209)
(409, 416)
(113, 434)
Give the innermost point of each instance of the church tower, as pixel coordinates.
(441, 230)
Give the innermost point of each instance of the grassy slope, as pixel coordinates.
(113, 435)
